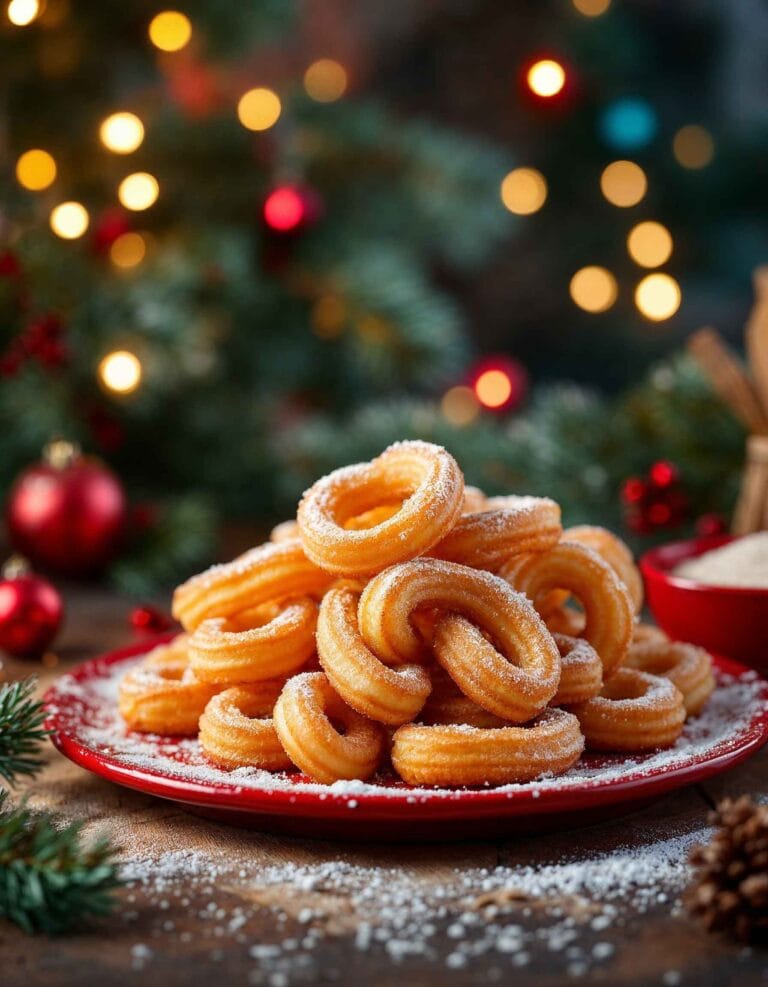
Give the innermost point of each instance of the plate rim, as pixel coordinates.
(466, 804)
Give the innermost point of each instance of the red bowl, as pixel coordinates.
(727, 620)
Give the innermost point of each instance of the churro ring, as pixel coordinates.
(634, 712)
(459, 755)
(513, 692)
(686, 666)
(163, 698)
(272, 571)
(252, 647)
(585, 574)
(389, 695)
(236, 728)
(474, 499)
(488, 537)
(304, 717)
(564, 619)
(423, 477)
(390, 605)
(581, 671)
(173, 655)
(615, 552)
(647, 634)
(447, 704)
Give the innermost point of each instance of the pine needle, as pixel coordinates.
(21, 730)
(50, 881)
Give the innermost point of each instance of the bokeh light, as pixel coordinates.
(325, 80)
(524, 191)
(693, 146)
(623, 183)
(592, 8)
(459, 406)
(35, 170)
(128, 250)
(121, 132)
(284, 209)
(650, 244)
(546, 78)
(138, 191)
(69, 220)
(170, 30)
(120, 372)
(22, 12)
(658, 297)
(259, 109)
(593, 289)
(628, 123)
(493, 388)
(328, 317)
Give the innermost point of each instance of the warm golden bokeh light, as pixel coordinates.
(22, 12)
(138, 191)
(546, 77)
(120, 372)
(592, 8)
(35, 170)
(259, 109)
(170, 30)
(121, 132)
(128, 250)
(524, 191)
(650, 244)
(329, 316)
(594, 289)
(69, 220)
(623, 183)
(658, 297)
(693, 146)
(325, 80)
(493, 388)
(460, 406)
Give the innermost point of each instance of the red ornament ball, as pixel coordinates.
(31, 613)
(150, 620)
(67, 513)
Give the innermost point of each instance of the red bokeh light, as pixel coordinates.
(284, 209)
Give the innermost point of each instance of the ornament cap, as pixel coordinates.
(15, 567)
(61, 453)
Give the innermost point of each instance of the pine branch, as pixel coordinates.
(49, 881)
(21, 730)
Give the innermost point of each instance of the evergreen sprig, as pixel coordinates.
(21, 730)
(49, 880)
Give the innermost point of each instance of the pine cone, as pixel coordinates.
(730, 889)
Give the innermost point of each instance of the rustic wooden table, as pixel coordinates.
(210, 901)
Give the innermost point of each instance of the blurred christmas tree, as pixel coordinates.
(199, 250)
(224, 273)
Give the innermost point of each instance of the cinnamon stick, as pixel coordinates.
(729, 378)
(756, 333)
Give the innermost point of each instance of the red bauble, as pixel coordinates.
(656, 501)
(67, 513)
(31, 612)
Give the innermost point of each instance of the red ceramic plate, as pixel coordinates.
(88, 729)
